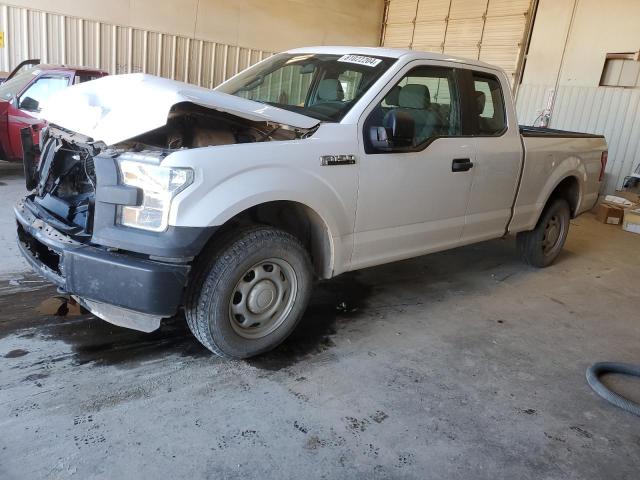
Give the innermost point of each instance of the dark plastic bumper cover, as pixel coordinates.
(138, 284)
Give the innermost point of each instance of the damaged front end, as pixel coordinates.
(63, 182)
(95, 222)
(75, 195)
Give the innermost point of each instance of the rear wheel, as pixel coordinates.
(542, 245)
(248, 295)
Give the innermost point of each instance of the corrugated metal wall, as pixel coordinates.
(62, 39)
(488, 30)
(613, 112)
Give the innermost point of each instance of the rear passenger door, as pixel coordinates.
(498, 153)
(412, 199)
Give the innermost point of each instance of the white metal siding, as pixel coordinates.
(610, 111)
(488, 30)
(61, 39)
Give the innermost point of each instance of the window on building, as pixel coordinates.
(621, 70)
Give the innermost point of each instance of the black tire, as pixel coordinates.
(540, 247)
(224, 273)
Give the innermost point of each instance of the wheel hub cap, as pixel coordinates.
(552, 233)
(263, 297)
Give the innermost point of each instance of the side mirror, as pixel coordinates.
(29, 104)
(401, 127)
(398, 131)
(379, 138)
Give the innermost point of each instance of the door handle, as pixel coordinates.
(461, 164)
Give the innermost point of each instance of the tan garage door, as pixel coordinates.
(489, 30)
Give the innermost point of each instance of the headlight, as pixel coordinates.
(158, 184)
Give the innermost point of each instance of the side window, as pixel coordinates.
(40, 91)
(428, 97)
(489, 105)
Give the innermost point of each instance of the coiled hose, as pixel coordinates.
(600, 368)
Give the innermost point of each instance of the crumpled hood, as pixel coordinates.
(119, 107)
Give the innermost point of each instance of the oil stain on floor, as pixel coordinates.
(333, 303)
(92, 340)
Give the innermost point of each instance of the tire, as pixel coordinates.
(542, 245)
(249, 294)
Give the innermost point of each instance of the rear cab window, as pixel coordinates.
(487, 105)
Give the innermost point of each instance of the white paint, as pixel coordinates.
(387, 207)
(119, 107)
(382, 208)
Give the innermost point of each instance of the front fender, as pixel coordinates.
(215, 205)
(229, 179)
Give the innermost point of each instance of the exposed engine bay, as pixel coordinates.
(193, 126)
(64, 178)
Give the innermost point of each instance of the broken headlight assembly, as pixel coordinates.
(158, 184)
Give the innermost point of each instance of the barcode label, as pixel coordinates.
(360, 60)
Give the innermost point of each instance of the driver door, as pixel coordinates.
(412, 200)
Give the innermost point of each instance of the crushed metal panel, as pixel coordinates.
(102, 109)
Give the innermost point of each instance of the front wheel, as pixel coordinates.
(249, 294)
(542, 245)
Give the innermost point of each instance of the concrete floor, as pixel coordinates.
(11, 188)
(463, 364)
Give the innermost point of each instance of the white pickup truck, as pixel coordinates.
(148, 196)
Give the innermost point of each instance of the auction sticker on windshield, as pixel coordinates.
(360, 60)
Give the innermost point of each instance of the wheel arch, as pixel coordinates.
(295, 218)
(569, 189)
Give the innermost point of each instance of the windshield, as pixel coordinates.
(321, 86)
(12, 87)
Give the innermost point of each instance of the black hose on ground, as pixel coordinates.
(600, 368)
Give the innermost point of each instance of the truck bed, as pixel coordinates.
(549, 157)
(527, 131)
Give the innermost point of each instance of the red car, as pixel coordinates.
(22, 95)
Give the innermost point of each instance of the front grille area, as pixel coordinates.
(66, 181)
(40, 252)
